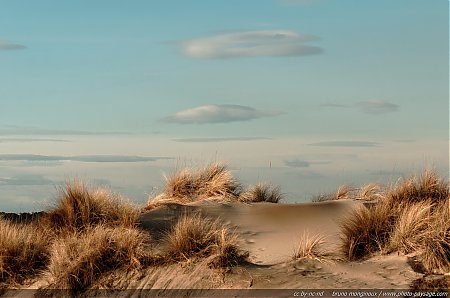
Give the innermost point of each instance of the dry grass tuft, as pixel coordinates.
(261, 193)
(412, 216)
(79, 259)
(194, 236)
(23, 252)
(227, 252)
(412, 227)
(214, 181)
(369, 192)
(436, 253)
(428, 186)
(366, 231)
(310, 247)
(79, 207)
(343, 192)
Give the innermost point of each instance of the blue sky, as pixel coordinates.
(325, 90)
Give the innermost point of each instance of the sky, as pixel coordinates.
(306, 94)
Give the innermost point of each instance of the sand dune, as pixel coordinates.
(270, 232)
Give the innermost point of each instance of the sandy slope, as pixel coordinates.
(270, 232)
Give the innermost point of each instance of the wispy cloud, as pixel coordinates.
(12, 130)
(81, 158)
(334, 105)
(6, 45)
(269, 43)
(217, 114)
(25, 179)
(375, 106)
(345, 144)
(212, 140)
(297, 163)
(26, 140)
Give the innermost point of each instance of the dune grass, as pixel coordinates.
(366, 231)
(417, 188)
(413, 215)
(412, 227)
(214, 182)
(195, 236)
(436, 254)
(79, 259)
(310, 247)
(79, 207)
(369, 192)
(23, 252)
(261, 192)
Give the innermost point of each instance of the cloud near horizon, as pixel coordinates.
(374, 106)
(6, 45)
(217, 114)
(224, 139)
(266, 43)
(345, 144)
(25, 179)
(12, 130)
(26, 140)
(80, 158)
(377, 106)
(297, 163)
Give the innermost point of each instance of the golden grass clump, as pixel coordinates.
(343, 192)
(79, 207)
(213, 182)
(369, 192)
(366, 231)
(412, 227)
(412, 216)
(195, 236)
(427, 186)
(24, 252)
(310, 247)
(79, 259)
(436, 254)
(261, 192)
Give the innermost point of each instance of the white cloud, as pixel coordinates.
(6, 45)
(217, 114)
(250, 44)
(377, 106)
